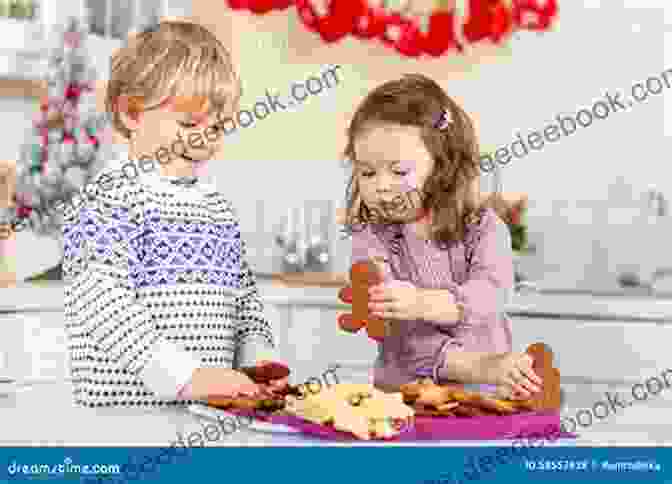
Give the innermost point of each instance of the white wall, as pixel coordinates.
(293, 156)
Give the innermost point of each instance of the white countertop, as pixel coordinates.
(552, 303)
(44, 415)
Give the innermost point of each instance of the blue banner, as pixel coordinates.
(338, 464)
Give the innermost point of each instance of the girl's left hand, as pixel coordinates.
(396, 300)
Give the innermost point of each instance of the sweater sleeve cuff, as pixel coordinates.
(168, 370)
(185, 393)
(253, 351)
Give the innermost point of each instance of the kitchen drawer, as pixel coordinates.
(599, 351)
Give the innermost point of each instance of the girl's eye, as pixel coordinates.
(401, 173)
(368, 174)
(187, 125)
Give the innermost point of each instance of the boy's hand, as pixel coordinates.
(397, 300)
(221, 382)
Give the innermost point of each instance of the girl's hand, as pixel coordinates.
(397, 300)
(513, 374)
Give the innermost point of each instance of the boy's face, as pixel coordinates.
(391, 166)
(179, 134)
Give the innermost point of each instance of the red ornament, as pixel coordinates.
(441, 36)
(370, 22)
(72, 92)
(403, 34)
(23, 211)
(488, 19)
(514, 216)
(261, 6)
(534, 14)
(336, 23)
(239, 4)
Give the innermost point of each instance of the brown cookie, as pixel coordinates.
(266, 373)
(248, 403)
(467, 410)
(364, 275)
(487, 404)
(549, 399)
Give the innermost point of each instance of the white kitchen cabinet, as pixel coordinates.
(315, 344)
(34, 345)
(609, 351)
(22, 54)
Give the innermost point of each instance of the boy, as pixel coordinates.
(160, 302)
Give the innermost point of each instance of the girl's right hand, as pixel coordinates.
(514, 375)
(221, 382)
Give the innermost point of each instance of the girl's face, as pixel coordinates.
(178, 135)
(391, 166)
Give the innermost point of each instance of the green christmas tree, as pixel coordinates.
(68, 143)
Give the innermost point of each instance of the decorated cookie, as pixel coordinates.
(358, 408)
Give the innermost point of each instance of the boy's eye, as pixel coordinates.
(368, 174)
(401, 173)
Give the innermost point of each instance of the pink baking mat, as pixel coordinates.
(528, 425)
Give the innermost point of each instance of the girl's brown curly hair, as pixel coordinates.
(449, 191)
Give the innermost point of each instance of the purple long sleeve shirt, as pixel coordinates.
(478, 271)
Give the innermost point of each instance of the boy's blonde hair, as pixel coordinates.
(178, 59)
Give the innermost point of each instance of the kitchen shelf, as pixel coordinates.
(25, 88)
(21, 54)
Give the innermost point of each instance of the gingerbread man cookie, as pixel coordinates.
(364, 275)
(549, 399)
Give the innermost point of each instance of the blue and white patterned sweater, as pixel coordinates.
(157, 285)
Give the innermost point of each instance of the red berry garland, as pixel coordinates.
(402, 34)
(534, 14)
(441, 36)
(337, 22)
(490, 20)
(260, 7)
(370, 22)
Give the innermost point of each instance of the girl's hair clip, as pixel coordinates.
(445, 120)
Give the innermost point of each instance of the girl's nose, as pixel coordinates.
(385, 184)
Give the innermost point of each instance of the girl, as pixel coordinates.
(160, 302)
(448, 258)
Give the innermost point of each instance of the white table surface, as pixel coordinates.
(44, 415)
